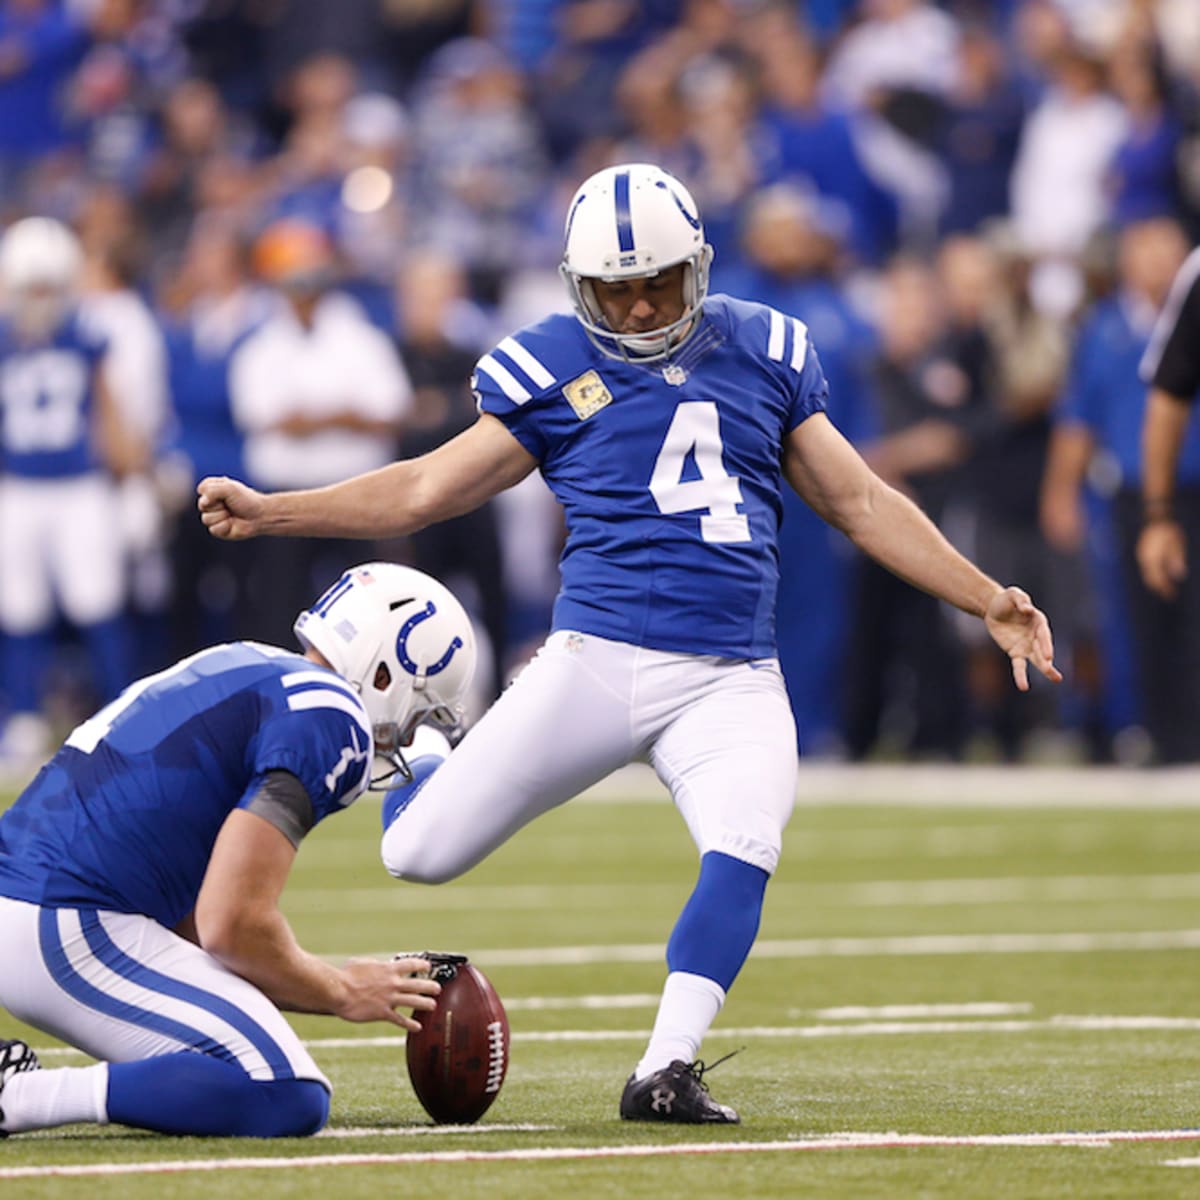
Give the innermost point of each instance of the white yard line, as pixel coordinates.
(857, 947)
(350, 1132)
(859, 1012)
(921, 893)
(1084, 1023)
(837, 1141)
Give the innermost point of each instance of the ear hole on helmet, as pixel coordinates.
(383, 678)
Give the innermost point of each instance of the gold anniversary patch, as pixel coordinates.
(587, 395)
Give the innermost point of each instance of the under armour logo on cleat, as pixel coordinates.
(661, 1100)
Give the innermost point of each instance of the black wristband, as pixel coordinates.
(1161, 509)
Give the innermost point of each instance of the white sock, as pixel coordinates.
(689, 1005)
(43, 1099)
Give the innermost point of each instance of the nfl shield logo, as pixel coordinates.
(674, 375)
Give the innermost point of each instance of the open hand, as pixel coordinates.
(375, 990)
(1021, 630)
(1162, 557)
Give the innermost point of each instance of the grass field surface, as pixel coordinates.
(968, 984)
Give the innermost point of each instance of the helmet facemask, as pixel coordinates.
(654, 344)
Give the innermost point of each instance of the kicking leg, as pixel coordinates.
(562, 726)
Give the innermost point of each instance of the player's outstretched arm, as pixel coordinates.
(238, 922)
(457, 477)
(830, 475)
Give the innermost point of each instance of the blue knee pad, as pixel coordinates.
(192, 1093)
(719, 923)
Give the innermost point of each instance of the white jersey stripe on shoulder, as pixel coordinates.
(530, 365)
(799, 343)
(775, 339)
(327, 698)
(324, 678)
(504, 377)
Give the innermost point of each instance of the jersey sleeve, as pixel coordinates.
(1172, 360)
(323, 738)
(785, 345)
(508, 382)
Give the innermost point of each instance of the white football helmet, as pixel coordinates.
(405, 643)
(40, 264)
(626, 222)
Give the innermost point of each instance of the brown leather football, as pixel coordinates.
(458, 1061)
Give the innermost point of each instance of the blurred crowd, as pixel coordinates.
(302, 222)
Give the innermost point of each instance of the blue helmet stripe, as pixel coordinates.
(624, 225)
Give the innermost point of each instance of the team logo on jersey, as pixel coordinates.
(587, 395)
(674, 374)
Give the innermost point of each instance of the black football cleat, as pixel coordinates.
(15, 1057)
(676, 1093)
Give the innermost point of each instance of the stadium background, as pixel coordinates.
(951, 196)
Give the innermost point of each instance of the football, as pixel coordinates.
(457, 1062)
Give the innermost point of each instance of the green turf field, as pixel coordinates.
(1007, 965)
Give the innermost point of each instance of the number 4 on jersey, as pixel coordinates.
(695, 429)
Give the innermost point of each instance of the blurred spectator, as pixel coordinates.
(64, 443)
(802, 138)
(1101, 415)
(578, 78)
(904, 661)
(195, 130)
(214, 307)
(441, 342)
(41, 42)
(1144, 172)
(896, 69)
(1058, 193)
(479, 161)
(1014, 358)
(985, 114)
(791, 248)
(318, 393)
(135, 374)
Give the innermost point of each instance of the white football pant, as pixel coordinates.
(60, 544)
(719, 733)
(122, 988)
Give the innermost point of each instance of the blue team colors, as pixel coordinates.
(47, 395)
(669, 473)
(124, 817)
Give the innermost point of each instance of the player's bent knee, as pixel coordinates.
(297, 1108)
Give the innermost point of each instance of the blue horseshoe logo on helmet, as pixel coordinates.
(406, 660)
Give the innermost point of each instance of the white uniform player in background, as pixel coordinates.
(140, 872)
(665, 421)
(64, 444)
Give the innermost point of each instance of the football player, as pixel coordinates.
(665, 420)
(64, 443)
(140, 872)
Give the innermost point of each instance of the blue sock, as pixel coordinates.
(110, 646)
(190, 1093)
(719, 923)
(399, 798)
(27, 660)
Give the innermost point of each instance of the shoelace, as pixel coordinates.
(699, 1069)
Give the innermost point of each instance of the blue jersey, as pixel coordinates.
(47, 394)
(669, 472)
(124, 817)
